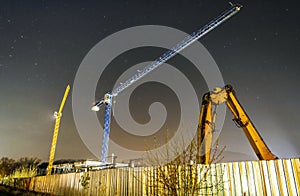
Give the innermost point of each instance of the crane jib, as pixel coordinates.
(159, 61)
(177, 48)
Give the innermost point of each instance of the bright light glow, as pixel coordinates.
(95, 108)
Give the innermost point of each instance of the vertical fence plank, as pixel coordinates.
(273, 178)
(290, 177)
(265, 176)
(250, 178)
(232, 181)
(296, 169)
(226, 180)
(237, 179)
(244, 179)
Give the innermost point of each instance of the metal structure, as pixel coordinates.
(207, 119)
(57, 116)
(107, 100)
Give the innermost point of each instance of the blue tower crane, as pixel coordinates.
(107, 100)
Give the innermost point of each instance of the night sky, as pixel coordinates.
(44, 42)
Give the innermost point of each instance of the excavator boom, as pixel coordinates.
(205, 130)
(240, 118)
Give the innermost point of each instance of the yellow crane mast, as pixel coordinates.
(56, 128)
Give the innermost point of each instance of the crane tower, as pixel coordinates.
(57, 116)
(107, 100)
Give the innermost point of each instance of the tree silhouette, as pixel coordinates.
(9, 166)
(183, 175)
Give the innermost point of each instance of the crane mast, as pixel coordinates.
(56, 128)
(107, 100)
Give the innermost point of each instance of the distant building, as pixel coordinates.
(63, 168)
(69, 166)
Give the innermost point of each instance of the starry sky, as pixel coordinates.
(44, 42)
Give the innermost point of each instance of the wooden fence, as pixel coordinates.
(279, 177)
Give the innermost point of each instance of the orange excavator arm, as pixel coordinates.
(205, 129)
(242, 120)
(227, 94)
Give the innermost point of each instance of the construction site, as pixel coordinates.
(195, 170)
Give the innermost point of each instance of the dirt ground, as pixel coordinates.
(5, 190)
